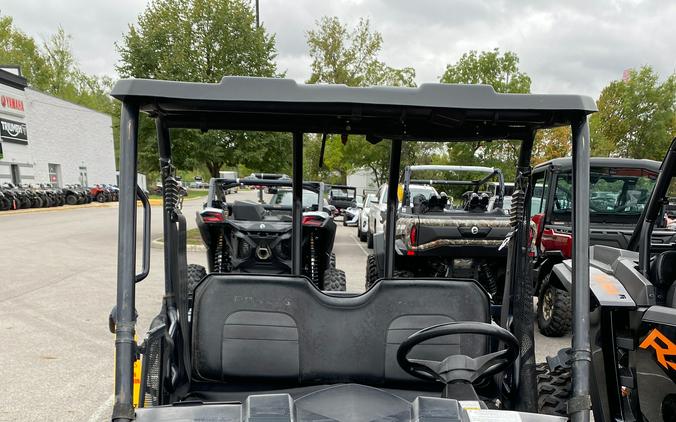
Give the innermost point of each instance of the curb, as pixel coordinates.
(61, 208)
(159, 244)
(154, 202)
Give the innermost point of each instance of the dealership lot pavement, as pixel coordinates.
(57, 286)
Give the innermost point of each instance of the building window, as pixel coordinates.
(54, 174)
(83, 176)
(16, 174)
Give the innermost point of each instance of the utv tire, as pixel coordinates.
(195, 274)
(334, 280)
(371, 271)
(554, 311)
(333, 260)
(369, 240)
(100, 198)
(554, 390)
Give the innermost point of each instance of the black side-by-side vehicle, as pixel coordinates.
(252, 237)
(274, 347)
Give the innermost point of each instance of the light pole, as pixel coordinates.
(258, 22)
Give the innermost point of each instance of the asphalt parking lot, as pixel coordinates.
(57, 286)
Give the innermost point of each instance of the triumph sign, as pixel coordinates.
(11, 131)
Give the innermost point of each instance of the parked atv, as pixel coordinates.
(22, 198)
(618, 192)
(249, 237)
(99, 193)
(6, 202)
(633, 320)
(440, 237)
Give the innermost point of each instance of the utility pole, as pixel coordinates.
(258, 22)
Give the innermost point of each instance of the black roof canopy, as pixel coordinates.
(430, 112)
(566, 163)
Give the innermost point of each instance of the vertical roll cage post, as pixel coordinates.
(580, 402)
(391, 218)
(297, 205)
(125, 345)
(517, 304)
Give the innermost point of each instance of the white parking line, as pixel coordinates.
(358, 242)
(106, 407)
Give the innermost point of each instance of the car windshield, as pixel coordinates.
(285, 198)
(426, 191)
(614, 193)
(342, 193)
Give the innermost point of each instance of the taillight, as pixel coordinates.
(213, 217)
(312, 220)
(553, 240)
(414, 235)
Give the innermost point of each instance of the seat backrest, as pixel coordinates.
(663, 275)
(281, 328)
(249, 211)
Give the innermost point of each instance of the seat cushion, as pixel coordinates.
(282, 328)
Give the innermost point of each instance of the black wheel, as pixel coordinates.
(195, 274)
(71, 199)
(369, 239)
(36, 203)
(334, 280)
(362, 236)
(26, 203)
(333, 260)
(554, 390)
(101, 198)
(554, 311)
(371, 271)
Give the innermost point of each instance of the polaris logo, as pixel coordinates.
(262, 226)
(475, 230)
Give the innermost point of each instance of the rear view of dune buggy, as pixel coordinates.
(255, 237)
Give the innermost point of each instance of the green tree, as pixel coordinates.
(501, 71)
(202, 41)
(636, 117)
(350, 56)
(52, 68)
(17, 48)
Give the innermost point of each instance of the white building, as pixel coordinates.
(362, 179)
(48, 140)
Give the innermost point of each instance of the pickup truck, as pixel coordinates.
(439, 236)
(619, 189)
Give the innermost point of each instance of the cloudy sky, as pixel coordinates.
(570, 46)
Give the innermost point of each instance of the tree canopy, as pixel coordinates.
(636, 117)
(202, 41)
(351, 56)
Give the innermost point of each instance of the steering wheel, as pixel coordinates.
(459, 367)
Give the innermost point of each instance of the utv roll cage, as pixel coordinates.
(216, 184)
(431, 112)
(490, 173)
